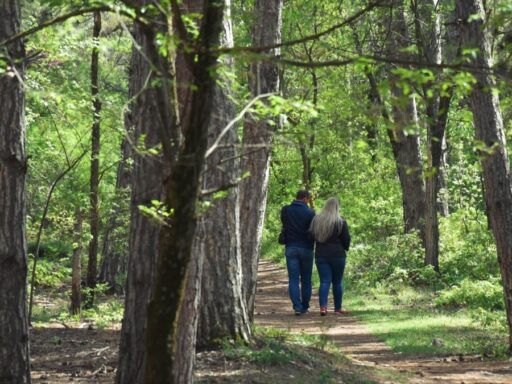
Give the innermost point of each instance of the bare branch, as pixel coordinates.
(233, 122)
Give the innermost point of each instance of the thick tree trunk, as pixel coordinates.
(76, 276)
(95, 161)
(491, 136)
(257, 143)
(181, 195)
(143, 237)
(404, 137)
(14, 356)
(223, 312)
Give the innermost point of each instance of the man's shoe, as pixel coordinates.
(305, 311)
(341, 312)
(298, 312)
(323, 311)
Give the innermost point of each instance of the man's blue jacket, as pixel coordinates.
(296, 219)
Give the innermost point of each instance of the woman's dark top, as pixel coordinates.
(336, 246)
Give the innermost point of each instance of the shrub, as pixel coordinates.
(467, 247)
(50, 274)
(388, 259)
(486, 294)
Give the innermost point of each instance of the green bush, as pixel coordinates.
(388, 259)
(467, 247)
(490, 319)
(49, 273)
(486, 294)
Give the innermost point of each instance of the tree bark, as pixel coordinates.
(223, 312)
(181, 192)
(428, 39)
(490, 134)
(189, 313)
(76, 277)
(404, 137)
(257, 145)
(143, 236)
(95, 161)
(14, 354)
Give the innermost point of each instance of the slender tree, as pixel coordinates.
(485, 104)
(94, 219)
(257, 142)
(76, 277)
(404, 135)
(401, 121)
(189, 310)
(14, 355)
(427, 21)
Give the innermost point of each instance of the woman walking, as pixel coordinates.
(332, 243)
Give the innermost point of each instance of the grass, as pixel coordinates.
(106, 312)
(408, 323)
(301, 358)
(407, 320)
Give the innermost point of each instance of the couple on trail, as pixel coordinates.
(302, 230)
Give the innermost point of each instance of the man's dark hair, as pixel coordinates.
(302, 194)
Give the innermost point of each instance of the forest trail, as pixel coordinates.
(273, 309)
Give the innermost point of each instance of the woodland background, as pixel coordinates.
(146, 148)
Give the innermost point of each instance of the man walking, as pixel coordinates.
(296, 219)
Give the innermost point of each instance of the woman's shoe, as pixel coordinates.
(341, 312)
(323, 311)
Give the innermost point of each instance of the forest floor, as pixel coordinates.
(69, 353)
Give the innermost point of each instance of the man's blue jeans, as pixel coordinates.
(331, 271)
(299, 262)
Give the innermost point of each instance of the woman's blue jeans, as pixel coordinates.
(299, 262)
(330, 271)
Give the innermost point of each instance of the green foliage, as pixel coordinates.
(102, 315)
(50, 273)
(486, 294)
(392, 259)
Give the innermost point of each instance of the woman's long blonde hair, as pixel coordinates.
(327, 221)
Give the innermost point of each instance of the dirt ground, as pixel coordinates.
(353, 338)
(69, 354)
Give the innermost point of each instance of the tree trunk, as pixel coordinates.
(491, 137)
(223, 312)
(76, 277)
(428, 38)
(306, 145)
(14, 355)
(181, 195)
(95, 161)
(404, 137)
(189, 314)
(257, 143)
(143, 237)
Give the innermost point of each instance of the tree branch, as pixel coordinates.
(302, 40)
(62, 18)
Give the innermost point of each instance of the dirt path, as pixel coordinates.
(273, 309)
